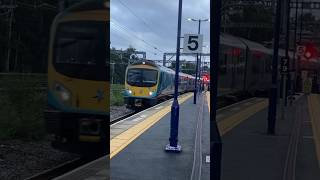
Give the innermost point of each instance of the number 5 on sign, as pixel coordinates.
(192, 43)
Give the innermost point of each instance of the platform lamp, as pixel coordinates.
(198, 59)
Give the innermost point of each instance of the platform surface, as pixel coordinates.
(145, 158)
(249, 153)
(95, 170)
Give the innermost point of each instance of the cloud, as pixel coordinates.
(146, 24)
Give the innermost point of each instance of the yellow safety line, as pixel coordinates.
(225, 125)
(118, 143)
(232, 121)
(208, 99)
(314, 111)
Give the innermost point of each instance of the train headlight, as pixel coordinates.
(63, 93)
(129, 91)
(90, 126)
(65, 96)
(150, 93)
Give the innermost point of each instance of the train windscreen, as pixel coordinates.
(142, 77)
(79, 50)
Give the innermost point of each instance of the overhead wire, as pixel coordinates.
(114, 23)
(138, 17)
(118, 28)
(143, 21)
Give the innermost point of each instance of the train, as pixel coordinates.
(77, 115)
(245, 67)
(146, 83)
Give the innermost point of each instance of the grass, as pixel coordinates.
(116, 95)
(21, 108)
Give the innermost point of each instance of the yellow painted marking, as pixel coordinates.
(314, 111)
(118, 143)
(232, 121)
(208, 99)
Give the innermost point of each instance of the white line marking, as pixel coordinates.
(143, 116)
(158, 107)
(207, 159)
(236, 108)
(137, 119)
(308, 137)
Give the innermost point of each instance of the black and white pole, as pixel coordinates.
(173, 145)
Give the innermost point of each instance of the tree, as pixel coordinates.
(251, 16)
(119, 61)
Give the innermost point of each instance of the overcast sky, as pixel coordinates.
(146, 24)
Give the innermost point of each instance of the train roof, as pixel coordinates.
(238, 42)
(161, 67)
(230, 40)
(254, 46)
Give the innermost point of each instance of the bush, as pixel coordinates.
(22, 106)
(116, 95)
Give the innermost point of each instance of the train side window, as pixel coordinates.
(223, 64)
(268, 64)
(255, 66)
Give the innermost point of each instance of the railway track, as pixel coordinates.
(60, 169)
(112, 121)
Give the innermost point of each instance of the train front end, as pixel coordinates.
(78, 79)
(141, 85)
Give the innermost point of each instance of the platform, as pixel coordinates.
(95, 170)
(144, 157)
(137, 143)
(139, 154)
(249, 153)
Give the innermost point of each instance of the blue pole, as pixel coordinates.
(215, 137)
(288, 80)
(273, 97)
(173, 145)
(195, 83)
(197, 71)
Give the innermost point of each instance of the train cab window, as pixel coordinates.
(268, 64)
(142, 77)
(80, 50)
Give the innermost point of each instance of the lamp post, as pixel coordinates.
(173, 146)
(198, 59)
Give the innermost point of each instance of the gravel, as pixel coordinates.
(20, 159)
(118, 111)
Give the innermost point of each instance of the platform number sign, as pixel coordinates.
(301, 50)
(284, 65)
(192, 43)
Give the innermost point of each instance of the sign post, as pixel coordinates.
(301, 50)
(193, 44)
